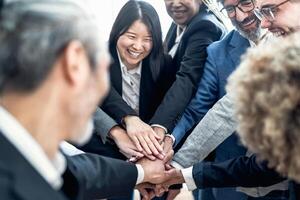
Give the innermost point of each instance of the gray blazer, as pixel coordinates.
(217, 125)
(102, 124)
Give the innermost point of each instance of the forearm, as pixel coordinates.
(217, 125)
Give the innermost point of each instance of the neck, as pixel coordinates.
(40, 117)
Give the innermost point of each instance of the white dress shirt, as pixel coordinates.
(131, 81)
(50, 170)
(179, 33)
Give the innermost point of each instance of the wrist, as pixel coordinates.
(114, 132)
(129, 118)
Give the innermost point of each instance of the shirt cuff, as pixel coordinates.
(176, 165)
(141, 174)
(160, 126)
(188, 178)
(172, 137)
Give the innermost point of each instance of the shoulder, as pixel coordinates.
(205, 19)
(221, 45)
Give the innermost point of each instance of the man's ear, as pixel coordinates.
(74, 62)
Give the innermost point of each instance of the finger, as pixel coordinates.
(159, 190)
(172, 194)
(135, 153)
(137, 143)
(144, 145)
(151, 157)
(168, 156)
(151, 146)
(156, 143)
(168, 166)
(144, 193)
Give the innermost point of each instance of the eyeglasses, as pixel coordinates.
(243, 5)
(268, 12)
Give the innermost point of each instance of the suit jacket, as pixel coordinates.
(102, 124)
(98, 177)
(239, 171)
(188, 61)
(152, 89)
(19, 180)
(216, 126)
(223, 58)
(88, 176)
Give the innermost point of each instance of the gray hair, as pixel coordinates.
(34, 33)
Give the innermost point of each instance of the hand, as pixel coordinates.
(146, 190)
(143, 136)
(172, 177)
(122, 140)
(155, 170)
(167, 148)
(160, 132)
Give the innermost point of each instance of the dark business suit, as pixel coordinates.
(152, 89)
(88, 176)
(188, 61)
(19, 180)
(241, 171)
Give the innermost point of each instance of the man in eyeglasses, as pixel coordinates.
(278, 16)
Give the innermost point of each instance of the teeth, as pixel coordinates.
(279, 33)
(134, 54)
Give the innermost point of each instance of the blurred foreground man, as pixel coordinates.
(53, 74)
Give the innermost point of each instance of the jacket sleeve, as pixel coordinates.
(102, 124)
(116, 107)
(205, 97)
(216, 126)
(188, 75)
(241, 171)
(101, 177)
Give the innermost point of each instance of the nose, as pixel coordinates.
(176, 3)
(138, 45)
(264, 23)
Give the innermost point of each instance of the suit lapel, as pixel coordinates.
(239, 45)
(116, 74)
(171, 36)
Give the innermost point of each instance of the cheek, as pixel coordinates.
(148, 48)
(122, 44)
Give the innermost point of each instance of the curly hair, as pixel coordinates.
(266, 94)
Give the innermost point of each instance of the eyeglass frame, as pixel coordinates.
(238, 6)
(270, 10)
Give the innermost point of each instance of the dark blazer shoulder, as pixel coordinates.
(205, 18)
(19, 180)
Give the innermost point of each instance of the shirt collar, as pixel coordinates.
(180, 30)
(124, 69)
(50, 170)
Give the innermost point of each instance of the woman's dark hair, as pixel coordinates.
(132, 11)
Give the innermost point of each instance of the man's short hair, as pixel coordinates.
(34, 33)
(266, 93)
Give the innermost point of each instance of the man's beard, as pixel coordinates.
(84, 137)
(253, 35)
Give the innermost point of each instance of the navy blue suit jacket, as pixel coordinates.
(223, 58)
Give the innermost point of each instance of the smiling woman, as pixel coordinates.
(140, 74)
